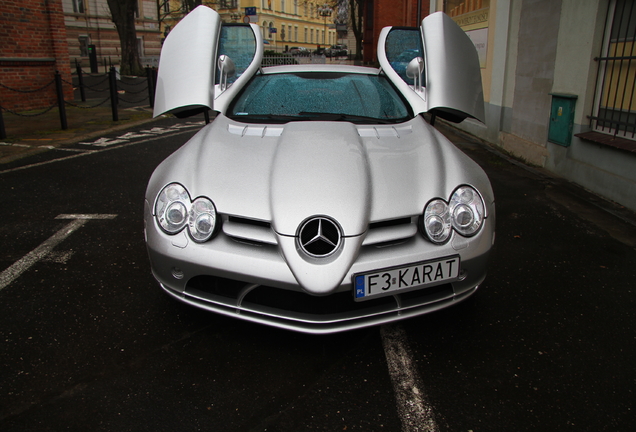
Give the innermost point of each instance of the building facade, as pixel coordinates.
(283, 23)
(32, 48)
(88, 24)
(559, 81)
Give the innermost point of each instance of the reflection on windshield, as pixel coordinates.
(358, 98)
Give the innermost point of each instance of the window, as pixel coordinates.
(239, 44)
(282, 5)
(78, 6)
(615, 100)
(295, 7)
(83, 44)
(140, 46)
(318, 96)
(398, 57)
(166, 6)
(228, 4)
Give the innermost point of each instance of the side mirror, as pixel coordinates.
(415, 70)
(227, 69)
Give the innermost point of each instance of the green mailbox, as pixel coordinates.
(561, 118)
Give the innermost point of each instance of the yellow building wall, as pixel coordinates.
(620, 76)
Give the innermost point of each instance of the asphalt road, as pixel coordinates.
(89, 342)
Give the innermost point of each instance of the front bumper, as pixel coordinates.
(250, 279)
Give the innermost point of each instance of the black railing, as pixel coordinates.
(102, 88)
(615, 104)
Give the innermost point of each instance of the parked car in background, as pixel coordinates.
(337, 51)
(299, 51)
(319, 199)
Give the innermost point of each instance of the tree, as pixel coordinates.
(351, 11)
(356, 10)
(123, 15)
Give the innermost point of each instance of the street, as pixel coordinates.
(89, 342)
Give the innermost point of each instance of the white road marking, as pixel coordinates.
(90, 152)
(105, 142)
(413, 407)
(22, 265)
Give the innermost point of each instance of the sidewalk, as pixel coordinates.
(28, 135)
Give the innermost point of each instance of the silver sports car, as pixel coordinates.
(319, 199)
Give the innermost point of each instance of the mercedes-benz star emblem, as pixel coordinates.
(319, 237)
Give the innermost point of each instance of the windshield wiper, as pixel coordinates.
(345, 117)
(274, 117)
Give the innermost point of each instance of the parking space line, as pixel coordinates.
(22, 265)
(179, 131)
(413, 407)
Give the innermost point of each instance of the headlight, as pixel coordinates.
(467, 210)
(171, 208)
(465, 213)
(174, 210)
(437, 223)
(202, 219)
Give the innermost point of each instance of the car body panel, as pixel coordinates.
(386, 167)
(189, 77)
(452, 75)
(186, 74)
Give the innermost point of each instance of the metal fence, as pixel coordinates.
(102, 88)
(615, 99)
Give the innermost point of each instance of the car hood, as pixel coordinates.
(353, 174)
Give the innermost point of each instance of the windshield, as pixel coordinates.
(328, 96)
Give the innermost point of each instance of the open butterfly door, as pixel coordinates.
(204, 63)
(436, 67)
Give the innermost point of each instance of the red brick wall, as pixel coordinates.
(32, 47)
(389, 13)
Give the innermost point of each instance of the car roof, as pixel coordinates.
(320, 68)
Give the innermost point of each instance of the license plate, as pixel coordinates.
(412, 276)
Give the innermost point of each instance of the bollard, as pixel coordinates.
(151, 86)
(60, 100)
(80, 79)
(112, 81)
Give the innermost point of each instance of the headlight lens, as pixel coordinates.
(465, 213)
(437, 221)
(467, 210)
(174, 210)
(171, 208)
(202, 219)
